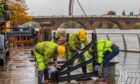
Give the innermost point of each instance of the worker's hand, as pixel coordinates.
(50, 72)
(96, 67)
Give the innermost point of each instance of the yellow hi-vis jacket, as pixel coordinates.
(43, 52)
(102, 47)
(75, 43)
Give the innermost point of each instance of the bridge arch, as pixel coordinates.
(83, 24)
(112, 24)
(31, 24)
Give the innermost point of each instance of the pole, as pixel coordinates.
(70, 7)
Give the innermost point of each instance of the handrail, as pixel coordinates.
(124, 40)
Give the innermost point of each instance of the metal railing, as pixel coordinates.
(124, 40)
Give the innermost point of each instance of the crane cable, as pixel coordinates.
(85, 15)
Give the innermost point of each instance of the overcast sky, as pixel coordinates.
(91, 7)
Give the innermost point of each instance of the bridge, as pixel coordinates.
(123, 22)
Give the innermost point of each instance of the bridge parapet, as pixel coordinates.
(89, 16)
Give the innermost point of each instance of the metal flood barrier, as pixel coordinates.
(64, 73)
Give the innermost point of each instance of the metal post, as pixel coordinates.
(54, 38)
(107, 37)
(71, 2)
(125, 49)
(94, 39)
(139, 46)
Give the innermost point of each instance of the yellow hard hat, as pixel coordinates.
(82, 35)
(61, 51)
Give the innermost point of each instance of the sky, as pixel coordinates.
(91, 7)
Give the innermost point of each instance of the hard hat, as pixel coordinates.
(60, 33)
(61, 51)
(82, 35)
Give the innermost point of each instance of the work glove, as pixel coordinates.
(96, 67)
(50, 72)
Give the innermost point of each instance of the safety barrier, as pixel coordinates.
(25, 36)
(22, 40)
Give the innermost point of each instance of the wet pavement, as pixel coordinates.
(18, 69)
(130, 62)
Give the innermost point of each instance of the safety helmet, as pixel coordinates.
(60, 33)
(82, 35)
(61, 51)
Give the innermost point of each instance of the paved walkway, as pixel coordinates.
(131, 64)
(19, 69)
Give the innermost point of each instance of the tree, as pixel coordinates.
(100, 25)
(137, 26)
(110, 25)
(131, 13)
(123, 13)
(115, 26)
(111, 13)
(18, 13)
(70, 24)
